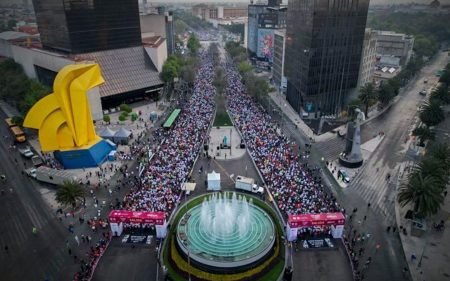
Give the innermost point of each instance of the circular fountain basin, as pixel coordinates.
(236, 233)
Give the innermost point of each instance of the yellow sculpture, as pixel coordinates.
(63, 117)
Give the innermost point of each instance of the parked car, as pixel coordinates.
(423, 93)
(342, 174)
(26, 152)
(31, 172)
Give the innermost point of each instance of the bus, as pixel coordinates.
(9, 122)
(19, 135)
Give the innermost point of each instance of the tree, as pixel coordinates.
(169, 71)
(442, 153)
(395, 85)
(431, 166)
(441, 94)
(69, 193)
(367, 96)
(431, 113)
(18, 120)
(244, 67)
(180, 26)
(35, 92)
(385, 93)
(425, 46)
(193, 44)
(422, 192)
(423, 133)
(106, 119)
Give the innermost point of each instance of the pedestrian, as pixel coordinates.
(413, 257)
(70, 251)
(365, 217)
(6, 248)
(394, 229)
(77, 240)
(388, 229)
(368, 205)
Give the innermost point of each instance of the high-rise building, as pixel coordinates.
(81, 26)
(398, 45)
(324, 40)
(278, 60)
(368, 58)
(263, 20)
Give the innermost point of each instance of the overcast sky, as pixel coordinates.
(248, 1)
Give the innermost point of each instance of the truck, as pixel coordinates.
(248, 184)
(54, 176)
(26, 152)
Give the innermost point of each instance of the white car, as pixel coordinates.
(31, 172)
(26, 152)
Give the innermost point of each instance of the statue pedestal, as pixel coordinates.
(89, 157)
(350, 163)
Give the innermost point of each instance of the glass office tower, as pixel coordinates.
(324, 40)
(82, 26)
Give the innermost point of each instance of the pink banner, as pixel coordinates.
(308, 220)
(156, 218)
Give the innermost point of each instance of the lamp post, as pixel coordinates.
(231, 145)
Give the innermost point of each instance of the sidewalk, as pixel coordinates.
(367, 149)
(281, 102)
(431, 250)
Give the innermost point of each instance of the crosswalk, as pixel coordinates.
(372, 185)
(330, 149)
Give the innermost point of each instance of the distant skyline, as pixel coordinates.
(248, 1)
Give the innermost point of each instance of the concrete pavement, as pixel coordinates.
(371, 186)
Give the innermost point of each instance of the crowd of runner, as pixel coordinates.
(292, 184)
(179, 146)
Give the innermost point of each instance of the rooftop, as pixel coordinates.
(124, 70)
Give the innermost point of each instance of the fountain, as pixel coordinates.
(225, 231)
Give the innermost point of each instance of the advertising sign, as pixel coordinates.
(265, 46)
(157, 218)
(308, 220)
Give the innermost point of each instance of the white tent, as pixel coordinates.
(213, 181)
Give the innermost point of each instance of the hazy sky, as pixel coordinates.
(248, 1)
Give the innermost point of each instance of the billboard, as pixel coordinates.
(265, 44)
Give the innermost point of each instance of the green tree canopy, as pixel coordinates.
(180, 26)
(367, 96)
(386, 93)
(442, 153)
(441, 94)
(193, 44)
(431, 113)
(422, 192)
(423, 133)
(69, 194)
(244, 68)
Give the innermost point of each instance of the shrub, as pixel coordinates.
(122, 117)
(106, 118)
(125, 108)
(134, 116)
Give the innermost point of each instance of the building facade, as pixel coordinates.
(263, 20)
(395, 44)
(368, 58)
(324, 40)
(81, 26)
(278, 61)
